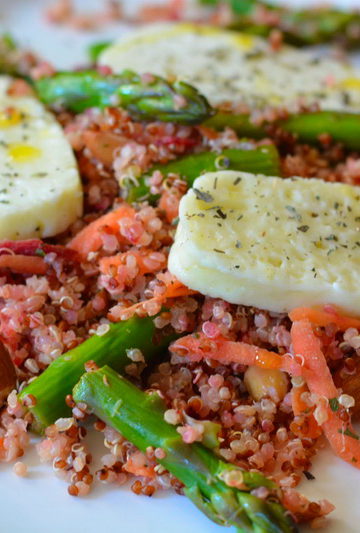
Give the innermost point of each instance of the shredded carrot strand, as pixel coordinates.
(313, 430)
(102, 145)
(323, 317)
(341, 437)
(169, 202)
(198, 347)
(146, 471)
(89, 239)
(298, 405)
(23, 264)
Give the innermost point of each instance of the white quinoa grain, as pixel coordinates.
(135, 355)
(78, 463)
(320, 414)
(102, 329)
(172, 417)
(224, 393)
(63, 424)
(20, 469)
(32, 365)
(346, 401)
(159, 453)
(297, 381)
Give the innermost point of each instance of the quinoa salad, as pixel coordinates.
(178, 269)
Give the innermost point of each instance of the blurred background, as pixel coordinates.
(65, 45)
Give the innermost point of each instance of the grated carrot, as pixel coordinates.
(23, 264)
(146, 471)
(169, 202)
(323, 317)
(344, 442)
(89, 239)
(301, 408)
(298, 405)
(102, 145)
(198, 347)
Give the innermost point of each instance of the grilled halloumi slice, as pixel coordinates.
(269, 242)
(229, 66)
(40, 188)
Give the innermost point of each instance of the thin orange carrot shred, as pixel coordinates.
(89, 238)
(197, 347)
(23, 264)
(146, 471)
(341, 436)
(298, 405)
(325, 316)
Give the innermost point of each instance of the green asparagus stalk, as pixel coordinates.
(7, 49)
(238, 7)
(307, 27)
(145, 99)
(300, 27)
(257, 160)
(320, 25)
(219, 489)
(57, 381)
(307, 127)
(13, 61)
(95, 49)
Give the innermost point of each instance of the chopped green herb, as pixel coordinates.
(309, 475)
(349, 433)
(221, 213)
(331, 237)
(204, 196)
(40, 175)
(293, 212)
(334, 404)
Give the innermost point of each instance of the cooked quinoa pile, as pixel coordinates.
(43, 316)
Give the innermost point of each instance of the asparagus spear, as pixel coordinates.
(145, 99)
(95, 49)
(307, 127)
(56, 382)
(7, 49)
(14, 61)
(320, 25)
(261, 160)
(300, 27)
(209, 482)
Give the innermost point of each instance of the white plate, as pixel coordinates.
(40, 503)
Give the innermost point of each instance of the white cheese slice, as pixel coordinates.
(40, 188)
(269, 242)
(230, 66)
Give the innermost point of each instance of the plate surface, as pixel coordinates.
(40, 503)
